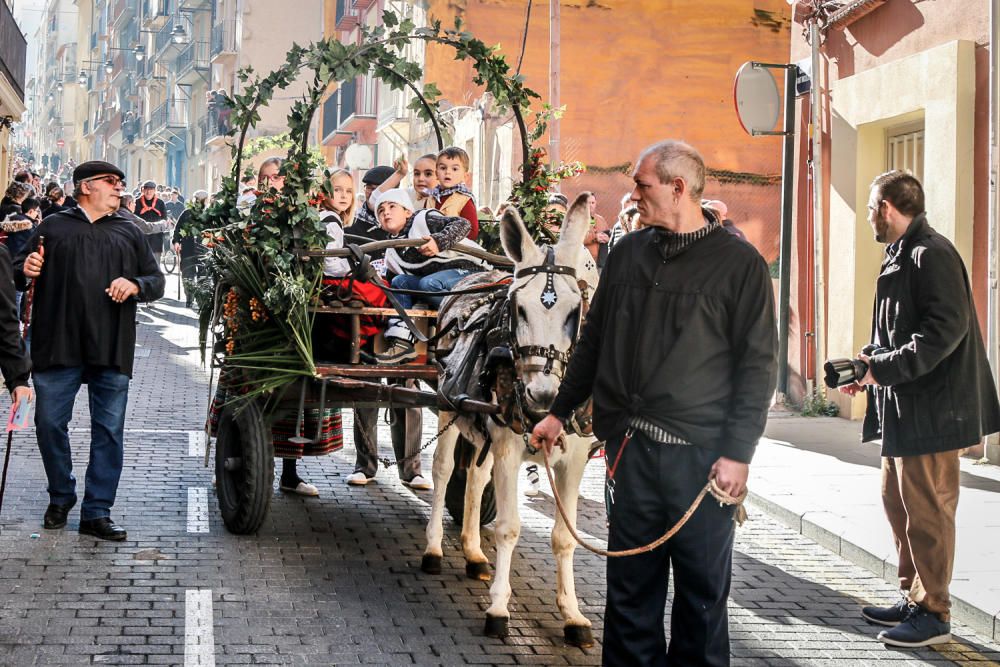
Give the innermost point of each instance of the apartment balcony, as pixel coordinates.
(171, 115)
(122, 11)
(187, 5)
(164, 45)
(214, 128)
(13, 51)
(223, 40)
(347, 15)
(363, 4)
(156, 12)
(192, 63)
(132, 130)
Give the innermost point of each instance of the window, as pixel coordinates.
(905, 149)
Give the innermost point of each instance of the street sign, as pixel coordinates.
(758, 102)
(803, 81)
(60, 143)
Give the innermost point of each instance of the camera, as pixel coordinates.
(840, 372)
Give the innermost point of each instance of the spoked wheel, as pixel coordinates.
(169, 260)
(244, 468)
(454, 495)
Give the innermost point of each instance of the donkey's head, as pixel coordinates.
(546, 303)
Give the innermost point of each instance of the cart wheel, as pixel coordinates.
(454, 495)
(244, 468)
(169, 260)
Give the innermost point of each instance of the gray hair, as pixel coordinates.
(200, 195)
(676, 159)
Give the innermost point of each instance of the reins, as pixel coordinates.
(710, 488)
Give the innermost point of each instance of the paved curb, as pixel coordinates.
(978, 619)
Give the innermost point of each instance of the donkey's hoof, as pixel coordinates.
(431, 564)
(578, 635)
(497, 626)
(478, 571)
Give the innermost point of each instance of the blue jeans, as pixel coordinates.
(56, 389)
(442, 281)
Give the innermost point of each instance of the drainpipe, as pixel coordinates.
(992, 448)
(819, 318)
(554, 38)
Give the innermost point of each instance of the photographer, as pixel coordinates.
(930, 394)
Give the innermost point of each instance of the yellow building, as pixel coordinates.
(13, 52)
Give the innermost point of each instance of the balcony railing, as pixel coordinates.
(194, 56)
(224, 37)
(172, 113)
(214, 125)
(347, 16)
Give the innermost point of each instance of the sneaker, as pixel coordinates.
(301, 488)
(400, 352)
(532, 489)
(418, 483)
(921, 628)
(358, 478)
(890, 616)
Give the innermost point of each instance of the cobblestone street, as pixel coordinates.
(336, 580)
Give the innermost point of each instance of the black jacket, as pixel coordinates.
(937, 392)
(688, 343)
(74, 322)
(14, 362)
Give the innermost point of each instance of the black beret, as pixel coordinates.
(377, 175)
(95, 168)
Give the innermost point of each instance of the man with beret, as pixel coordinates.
(86, 335)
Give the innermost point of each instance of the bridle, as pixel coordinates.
(548, 299)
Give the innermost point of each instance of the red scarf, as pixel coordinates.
(147, 208)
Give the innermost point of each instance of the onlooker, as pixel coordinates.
(930, 394)
(642, 333)
(86, 336)
(187, 243)
(151, 208)
(722, 209)
(452, 196)
(596, 238)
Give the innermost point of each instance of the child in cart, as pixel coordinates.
(432, 268)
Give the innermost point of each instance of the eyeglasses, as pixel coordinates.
(110, 179)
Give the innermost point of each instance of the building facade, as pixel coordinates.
(13, 55)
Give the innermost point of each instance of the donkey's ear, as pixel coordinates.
(575, 225)
(514, 237)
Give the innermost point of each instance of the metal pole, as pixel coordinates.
(992, 305)
(785, 253)
(819, 316)
(554, 80)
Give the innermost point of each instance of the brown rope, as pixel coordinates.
(711, 487)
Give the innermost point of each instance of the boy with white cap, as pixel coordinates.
(432, 267)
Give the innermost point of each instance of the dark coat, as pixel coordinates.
(688, 343)
(937, 392)
(14, 362)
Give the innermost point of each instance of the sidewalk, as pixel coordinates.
(816, 476)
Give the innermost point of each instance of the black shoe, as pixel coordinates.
(891, 616)
(103, 528)
(921, 628)
(55, 515)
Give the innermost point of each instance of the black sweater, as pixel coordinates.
(14, 361)
(687, 342)
(74, 321)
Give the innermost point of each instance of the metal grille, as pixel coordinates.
(905, 150)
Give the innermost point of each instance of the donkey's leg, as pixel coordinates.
(444, 463)
(477, 565)
(508, 529)
(568, 473)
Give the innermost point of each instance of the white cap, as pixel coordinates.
(396, 195)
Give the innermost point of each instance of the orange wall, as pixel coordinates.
(634, 72)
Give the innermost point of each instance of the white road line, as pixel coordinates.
(196, 443)
(199, 637)
(197, 509)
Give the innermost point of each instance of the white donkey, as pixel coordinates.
(545, 306)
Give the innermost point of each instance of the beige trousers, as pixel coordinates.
(920, 496)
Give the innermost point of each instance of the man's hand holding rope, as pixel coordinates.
(546, 433)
